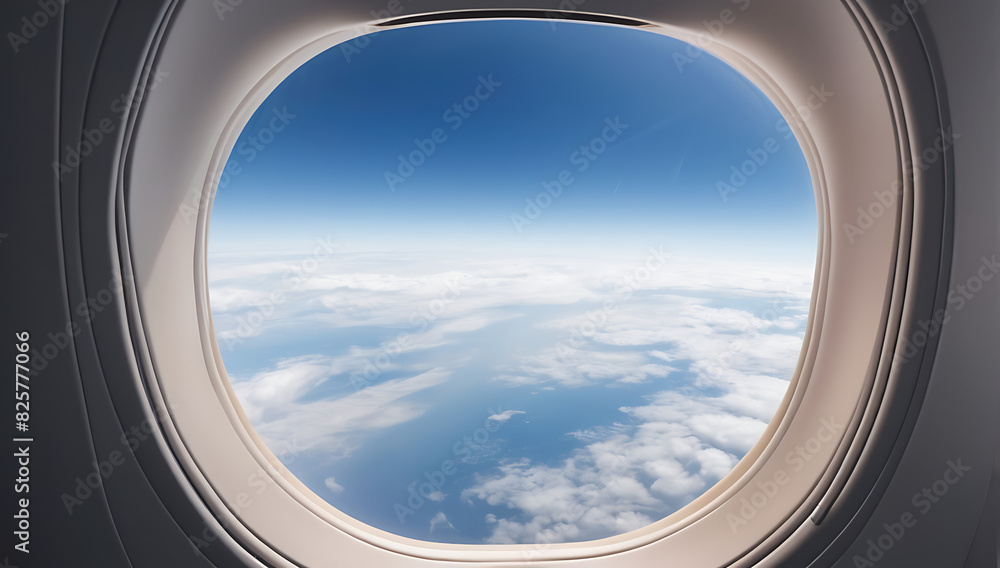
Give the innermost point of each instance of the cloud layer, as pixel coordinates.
(722, 338)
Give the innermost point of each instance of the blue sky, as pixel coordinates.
(457, 353)
(353, 119)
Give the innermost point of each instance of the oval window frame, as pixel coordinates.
(181, 418)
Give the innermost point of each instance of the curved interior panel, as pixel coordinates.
(142, 453)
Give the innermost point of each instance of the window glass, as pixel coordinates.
(512, 281)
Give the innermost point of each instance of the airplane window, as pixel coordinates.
(498, 282)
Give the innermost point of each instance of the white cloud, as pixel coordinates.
(571, 367)
(232, 298)
(572, 502)
(736, 329)
(671, 449)
(336, 426)
(440, 520)
(332, 485)
(379, 289)
(504, 416)
(599, 432)
(624, 478)
(274, 390)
